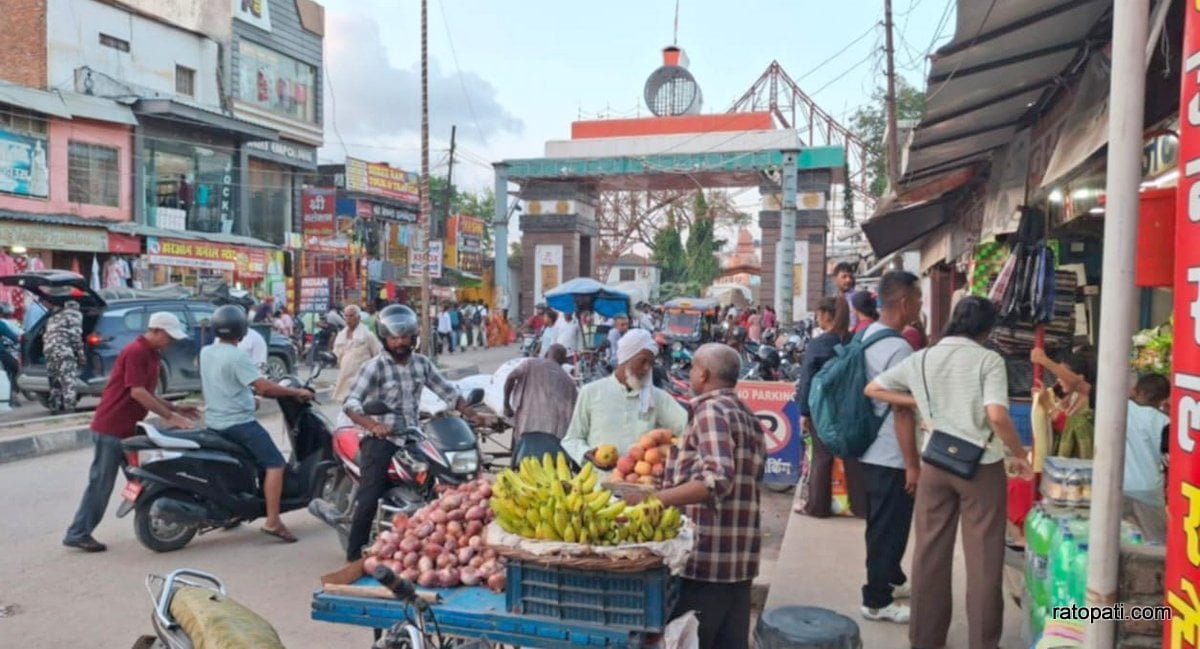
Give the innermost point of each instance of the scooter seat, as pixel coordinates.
(193, 439)
(214, 621)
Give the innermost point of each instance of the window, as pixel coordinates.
(93, 174)
(185, 81)
(16, 120)
(114, 42)
(628, 275)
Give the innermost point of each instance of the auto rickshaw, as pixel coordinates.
(690, 320)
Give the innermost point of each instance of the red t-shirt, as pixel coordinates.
(119, 412)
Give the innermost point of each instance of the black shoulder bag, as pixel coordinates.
(947, 452)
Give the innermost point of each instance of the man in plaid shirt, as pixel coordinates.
(396, 376)
(713, 475)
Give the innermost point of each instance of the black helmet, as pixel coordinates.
(769, 357)
(229, 322)
(397, 320)
(738, 333)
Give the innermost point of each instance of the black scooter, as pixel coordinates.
(189, 481)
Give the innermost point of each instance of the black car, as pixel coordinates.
(109, 325)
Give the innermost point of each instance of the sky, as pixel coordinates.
(512, 75)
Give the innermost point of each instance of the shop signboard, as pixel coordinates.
(373, 210)
(191, 254)
(292, 153)
(254, 12)
(23, 165)
(470, 244)
(315, 294)
(800, 281)
(36, 236)
(252, 262)
(317, 207)
(276, 82)
(382, 180)
(419, 262)
(773, 402)
(335, 245)
(1181, 580)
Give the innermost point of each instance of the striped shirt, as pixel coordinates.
(964, 378)
(722, 446)
(399, 386)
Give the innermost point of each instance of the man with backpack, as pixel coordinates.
(883, 440)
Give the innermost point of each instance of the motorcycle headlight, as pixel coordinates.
(463, 461)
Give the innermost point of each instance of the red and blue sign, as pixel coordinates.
(773, 402)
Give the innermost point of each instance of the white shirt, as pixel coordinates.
(1143, 452)
(567, 334)
(256, 346)
(444, 326)
(549, 335)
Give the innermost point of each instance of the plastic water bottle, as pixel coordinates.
(1038, 524)
(1037, 619)
(1062, 561)
(1079, 573)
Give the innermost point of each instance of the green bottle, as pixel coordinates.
(1062, 561)
(1079, 573)
(1038, 528)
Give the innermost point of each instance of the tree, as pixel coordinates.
(480, 205)
(869, 123)
(668, 254)
(703, 261)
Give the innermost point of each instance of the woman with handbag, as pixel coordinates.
(960, 389)
(816, 489)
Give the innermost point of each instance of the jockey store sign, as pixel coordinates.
(1181, 581)
(202, 254)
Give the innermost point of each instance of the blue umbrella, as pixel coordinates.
(587, 294)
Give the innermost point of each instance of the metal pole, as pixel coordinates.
(893, 146)
(426, 208)
(500, 236)
(1118, 295)
(787, 240)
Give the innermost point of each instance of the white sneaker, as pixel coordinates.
(893, 612)
(903, 591)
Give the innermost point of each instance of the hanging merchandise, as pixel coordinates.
(1029, 296)
(989, 260)
(94, 281)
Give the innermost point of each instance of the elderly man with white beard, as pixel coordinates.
(620, 408)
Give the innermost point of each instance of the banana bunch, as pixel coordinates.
(543, 501)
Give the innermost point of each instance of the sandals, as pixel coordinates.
(283, 534)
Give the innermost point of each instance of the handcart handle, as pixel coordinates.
(402, 588)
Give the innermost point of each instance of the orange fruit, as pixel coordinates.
(636, 452)
(606, 456)
(653, 456)
(648, 441)
(618, 476)
(643, 468)
(664, 435)
(658, 470)
(632, 478)
(625, 465)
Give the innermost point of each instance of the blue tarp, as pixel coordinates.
(587, 294)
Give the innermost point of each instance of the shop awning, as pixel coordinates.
(1004, 57)
(177, 110)
(98, 108)
(40, 101)
(212, 237)
(904, 225)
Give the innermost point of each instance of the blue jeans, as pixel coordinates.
(106, 461)
(258, 441)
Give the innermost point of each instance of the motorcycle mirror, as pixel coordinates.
(327, 359)
(375, 408)
(475, 397)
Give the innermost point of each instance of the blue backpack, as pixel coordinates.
(843, 417)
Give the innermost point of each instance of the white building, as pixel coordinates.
(635, 274)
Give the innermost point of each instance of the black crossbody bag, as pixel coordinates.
(950, 453)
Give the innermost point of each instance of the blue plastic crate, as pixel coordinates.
(637, 601)
(1020, 412)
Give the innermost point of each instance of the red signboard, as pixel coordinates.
(1182, 578)
(318, 207)
(124, 244)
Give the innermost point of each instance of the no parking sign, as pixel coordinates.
(772, 402)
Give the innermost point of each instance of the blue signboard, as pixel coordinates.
(23, 165)
(774, 405)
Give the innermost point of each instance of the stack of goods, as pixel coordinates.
(543, 501)
(1067, 482)
(989, 260)
(442, 544)
(644, 463)
(1056, 559)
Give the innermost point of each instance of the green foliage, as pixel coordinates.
(703, 262)
(869, 123)
(667, 252)
(481, 205)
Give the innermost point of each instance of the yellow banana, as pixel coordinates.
(564, 470)
(612, 511)
(569, 534)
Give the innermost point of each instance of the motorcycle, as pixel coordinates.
(184, 482)
(169, 633)
(443, 451)
(528, 343)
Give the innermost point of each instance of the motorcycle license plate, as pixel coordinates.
(131, 491)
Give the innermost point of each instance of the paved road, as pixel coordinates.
(60, 597)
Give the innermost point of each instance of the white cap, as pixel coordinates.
(169, 323)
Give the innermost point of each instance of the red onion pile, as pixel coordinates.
(441, 545)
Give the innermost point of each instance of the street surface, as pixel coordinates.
(55, 597)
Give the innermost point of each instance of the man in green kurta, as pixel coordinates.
(620, 408)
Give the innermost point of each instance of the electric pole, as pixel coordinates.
(449, 198)
(893, 145)
(426, 208)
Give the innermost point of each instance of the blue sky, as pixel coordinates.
(514, 74)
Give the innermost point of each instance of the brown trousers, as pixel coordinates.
(942, 499)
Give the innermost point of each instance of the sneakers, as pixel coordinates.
(891, 613)
(87, 544)
(903, 591)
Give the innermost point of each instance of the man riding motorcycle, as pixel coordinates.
(396, 376)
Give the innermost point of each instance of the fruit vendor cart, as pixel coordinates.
(474, 612)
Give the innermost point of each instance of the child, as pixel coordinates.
(1143, 502)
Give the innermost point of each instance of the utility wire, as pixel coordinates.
(840, 52)
(461, 82)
